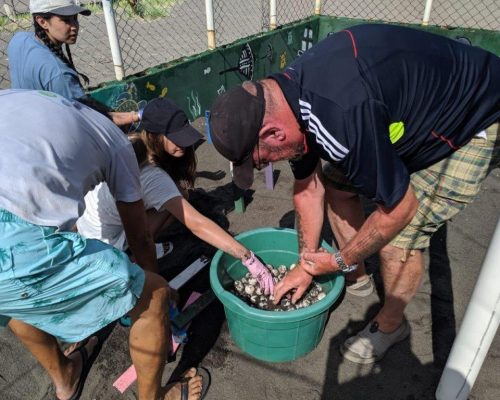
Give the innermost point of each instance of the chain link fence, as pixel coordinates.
(483, 14)
(237, 19)
(405, 11)
(293, 10)
(153, 32)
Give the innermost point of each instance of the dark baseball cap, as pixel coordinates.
(235, 121)
(162, 116)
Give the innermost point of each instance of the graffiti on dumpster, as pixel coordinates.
(246, 63)
(194, 104)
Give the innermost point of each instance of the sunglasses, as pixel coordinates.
(260, 164)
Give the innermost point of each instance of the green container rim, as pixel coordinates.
(235, 304)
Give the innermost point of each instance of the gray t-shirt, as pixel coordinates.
(101, 219)
(54, 151)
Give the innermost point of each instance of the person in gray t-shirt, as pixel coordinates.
(54, 283)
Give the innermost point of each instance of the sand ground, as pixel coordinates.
(410, 371)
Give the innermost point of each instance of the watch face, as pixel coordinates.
(350, 268)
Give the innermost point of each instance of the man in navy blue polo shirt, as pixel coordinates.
(407, 118)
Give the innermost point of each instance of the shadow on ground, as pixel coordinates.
(400, 366)
(205, 328)
(412, 379)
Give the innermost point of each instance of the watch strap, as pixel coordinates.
(342, 265)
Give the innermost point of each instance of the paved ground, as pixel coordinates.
(411, 371)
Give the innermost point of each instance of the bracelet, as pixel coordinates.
(135, 117)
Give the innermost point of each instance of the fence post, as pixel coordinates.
(427, 12)
(477, 330)
(10, 14)
(209, 9)
(317, 7)
(272, 14)
(114, 43)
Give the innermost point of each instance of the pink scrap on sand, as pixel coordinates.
(126, 379)
(130, 375)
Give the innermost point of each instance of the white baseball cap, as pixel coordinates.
(58, 7)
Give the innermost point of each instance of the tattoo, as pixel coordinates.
(368, 245)
(300, 233)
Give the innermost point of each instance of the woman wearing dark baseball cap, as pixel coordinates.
(165, 152)
(162, 117)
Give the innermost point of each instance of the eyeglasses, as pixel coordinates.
(260, 164)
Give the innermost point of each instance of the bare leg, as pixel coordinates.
(345, 214)
(64, 371)
(149, 336)
(148, 346)
(401, 274)
(149, 343)
(401, 282)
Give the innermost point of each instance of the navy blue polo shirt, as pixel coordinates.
(382, 102)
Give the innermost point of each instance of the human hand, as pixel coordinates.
(260, 272)
(318, 263)
(297, 279)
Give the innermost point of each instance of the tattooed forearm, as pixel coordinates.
(300, 232)
(369, 243)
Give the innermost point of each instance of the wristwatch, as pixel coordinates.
(342, 265)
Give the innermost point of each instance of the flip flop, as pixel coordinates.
(206, 381)
(87, 362)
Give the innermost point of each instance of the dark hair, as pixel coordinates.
(140, 149)
(57, 50)
(96, 106)
(182, 170)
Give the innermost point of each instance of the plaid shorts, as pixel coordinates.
(442, 190)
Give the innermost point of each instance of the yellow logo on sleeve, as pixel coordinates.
(396, 131)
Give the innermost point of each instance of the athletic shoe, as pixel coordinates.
(162, 249)
(362, 288)
(370, 345)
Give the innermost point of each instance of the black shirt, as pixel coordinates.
(383, 101)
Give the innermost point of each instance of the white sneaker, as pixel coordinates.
(370, 344)
(162, 249)
(362, 288)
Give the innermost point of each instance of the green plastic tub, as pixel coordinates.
(270, 335)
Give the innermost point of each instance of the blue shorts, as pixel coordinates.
(62, 283)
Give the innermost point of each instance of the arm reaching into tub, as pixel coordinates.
(259, 272)
(213, 234)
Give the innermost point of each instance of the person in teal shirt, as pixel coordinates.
(37, 60)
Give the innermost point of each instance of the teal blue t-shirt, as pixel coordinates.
(33, 66)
